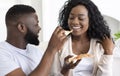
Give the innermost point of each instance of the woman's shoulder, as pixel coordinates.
(96, 45)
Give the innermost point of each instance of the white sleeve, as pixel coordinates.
(105, 65)
(6, 63)
(56, 66)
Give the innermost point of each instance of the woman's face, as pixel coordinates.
(78, 20)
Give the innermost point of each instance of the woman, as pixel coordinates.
(90, 35)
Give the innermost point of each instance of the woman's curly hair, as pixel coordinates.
(97, 25)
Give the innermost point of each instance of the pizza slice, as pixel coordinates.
(68, 32)
(78, 57)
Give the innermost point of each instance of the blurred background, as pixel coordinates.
(48, 11)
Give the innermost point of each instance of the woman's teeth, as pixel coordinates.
(75, 28)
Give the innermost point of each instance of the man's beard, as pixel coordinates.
(31, 38)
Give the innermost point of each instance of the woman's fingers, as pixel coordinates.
(108, 45)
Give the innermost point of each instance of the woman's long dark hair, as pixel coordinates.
(97, 25)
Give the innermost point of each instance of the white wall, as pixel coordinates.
(109, 7)
(50, 16)
(48, 11)
(4, 5)
(113, 23)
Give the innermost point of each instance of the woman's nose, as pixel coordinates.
(76, 21)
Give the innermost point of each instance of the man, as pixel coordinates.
(18, 57)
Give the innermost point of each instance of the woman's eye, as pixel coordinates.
(82, 19)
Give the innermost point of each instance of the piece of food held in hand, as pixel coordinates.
(78, 57)
(68, 32)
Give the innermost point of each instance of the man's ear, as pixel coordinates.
(22, 28)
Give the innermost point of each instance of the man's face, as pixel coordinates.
(31, 38)
(33, 29)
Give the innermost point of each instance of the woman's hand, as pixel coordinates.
(108, 45)
(67, 66)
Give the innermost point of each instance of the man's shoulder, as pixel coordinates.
(4, 49)
(3, 45)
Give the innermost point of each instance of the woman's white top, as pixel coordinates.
(99, 65)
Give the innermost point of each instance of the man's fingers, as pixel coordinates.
(58, 28)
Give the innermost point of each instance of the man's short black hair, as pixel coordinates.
(16, 11)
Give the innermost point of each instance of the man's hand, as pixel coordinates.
(58, 39)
